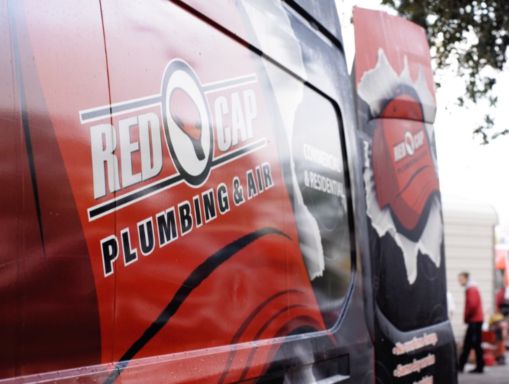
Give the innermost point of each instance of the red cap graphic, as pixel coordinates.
(403, 168)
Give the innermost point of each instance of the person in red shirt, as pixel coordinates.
(473, 317)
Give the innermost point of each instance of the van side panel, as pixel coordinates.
(181, 195)
(54, 319)
(15, 177)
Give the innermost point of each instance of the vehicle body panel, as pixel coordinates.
(161, 165)
(396, 108)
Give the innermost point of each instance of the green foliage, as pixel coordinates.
(474, 34)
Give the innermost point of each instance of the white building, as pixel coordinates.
(470, 247)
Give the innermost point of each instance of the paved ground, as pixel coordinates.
(491, 375)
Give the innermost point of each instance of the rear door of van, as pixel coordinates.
(396, 106)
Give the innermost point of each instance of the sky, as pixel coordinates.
(468, 171)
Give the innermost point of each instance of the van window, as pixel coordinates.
(318, 161)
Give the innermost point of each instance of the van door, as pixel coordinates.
(234, 239)
(396, 107)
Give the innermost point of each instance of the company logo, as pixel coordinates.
(187, 123)
(205, 125)
(404, 172)
(144, 146)
(410, 144)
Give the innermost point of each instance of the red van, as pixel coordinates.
(184, 199)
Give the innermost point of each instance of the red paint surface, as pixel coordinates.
(67, 313)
